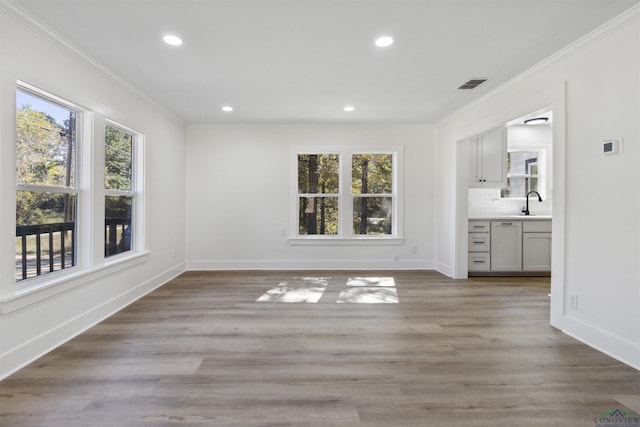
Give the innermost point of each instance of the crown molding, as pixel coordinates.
(14, 10)
(624, 19)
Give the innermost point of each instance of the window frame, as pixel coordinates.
(541, 175)
(132, 193)
(76, 189)
(346, 197)
(91, 193)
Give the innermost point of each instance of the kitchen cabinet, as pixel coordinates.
(536, 246)
(479, 244)
(488, 159)
(506, 246)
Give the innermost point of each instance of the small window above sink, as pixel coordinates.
(522, 173)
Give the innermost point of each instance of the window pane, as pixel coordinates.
(372, 215)
(45, 233)
(318, 215)
(520, 161)
(118, 157)
(117, 224)
(371, 174)
(45, 142)
(318, 174)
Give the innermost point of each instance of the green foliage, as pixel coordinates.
(372, 174)
(318, 173)
(117, 163)
(41, 148)
(42, 158)
(118, 207)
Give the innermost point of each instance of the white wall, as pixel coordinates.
(33, 323)
(596, 229)
(238, 198)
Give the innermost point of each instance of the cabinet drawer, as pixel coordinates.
(536, 226)
(479, 226)
(480, 261)
(479, 242)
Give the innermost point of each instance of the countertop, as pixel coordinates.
(511, 217)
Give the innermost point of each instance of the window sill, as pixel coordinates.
(346, 241)
(31, 293)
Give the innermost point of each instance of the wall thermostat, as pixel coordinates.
(612, 146)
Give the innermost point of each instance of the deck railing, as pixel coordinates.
(117, 235)
(58, 254)
(44, 248)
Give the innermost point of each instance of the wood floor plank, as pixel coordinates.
(201, 351)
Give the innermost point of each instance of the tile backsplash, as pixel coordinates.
(487, 202)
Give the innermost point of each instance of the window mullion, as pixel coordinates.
(346, 200)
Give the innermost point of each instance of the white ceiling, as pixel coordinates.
(302, 61)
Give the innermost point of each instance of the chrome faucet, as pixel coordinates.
(525, 210)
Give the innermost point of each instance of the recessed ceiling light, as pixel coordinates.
(349, 108)
(227, 108)
(536, 121)
(172, 40)
(384, 41)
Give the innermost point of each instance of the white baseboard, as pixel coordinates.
(336, 264)
(445, 269)
(612, 345)
(16, 358)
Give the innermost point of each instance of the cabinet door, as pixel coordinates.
(536, 251)
(493, 158)
(506, 246)
(474, 162)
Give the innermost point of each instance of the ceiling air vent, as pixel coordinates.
(472, 83)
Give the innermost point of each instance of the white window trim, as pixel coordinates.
(82, 225)
(138, 237)
(543, 188)
(345, 234)
(89, 188)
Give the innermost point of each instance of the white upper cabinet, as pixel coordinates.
(487, 159)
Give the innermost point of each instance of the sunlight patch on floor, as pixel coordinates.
(299, 289)
(359, 290)
(369, 295)
(371, 281)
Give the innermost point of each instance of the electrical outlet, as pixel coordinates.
(573, 301)
(396, 257)
(414, 250)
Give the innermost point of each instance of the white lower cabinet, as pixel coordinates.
(506, 246)
(518, 246)
(479, 244)
(536, 246)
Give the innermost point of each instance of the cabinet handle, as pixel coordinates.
(475, 242)
(507, 223)
(478, 262)
(478, 226)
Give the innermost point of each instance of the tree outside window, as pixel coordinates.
(46, 190)
(346, 194)
(119, 190)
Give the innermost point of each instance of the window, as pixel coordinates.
(372, 192)
(522, 173)
(119, 189)
(347, 194)
(46, 185)
(318, 193)
(60, 216)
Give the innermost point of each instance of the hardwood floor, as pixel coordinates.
(201, 351)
